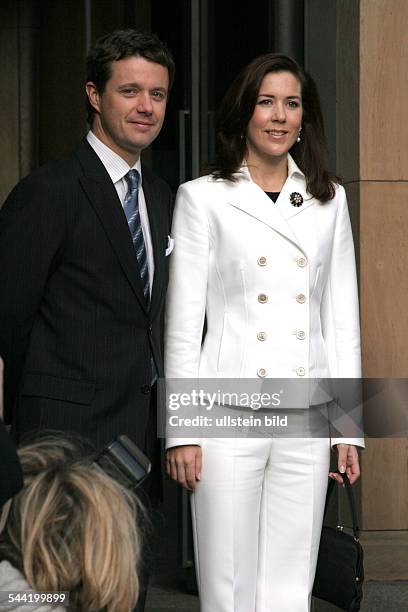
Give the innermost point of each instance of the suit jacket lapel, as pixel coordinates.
(298, 222)
(250, 198)
(286, 208)
(283, 217)
(104, 199)
(155, 212)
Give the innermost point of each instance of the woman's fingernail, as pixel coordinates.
(198, 476)
(342, 469)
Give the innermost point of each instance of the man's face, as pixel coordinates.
(130, 112)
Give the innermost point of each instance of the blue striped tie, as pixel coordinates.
(131, 208)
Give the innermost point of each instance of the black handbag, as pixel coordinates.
(339, 572)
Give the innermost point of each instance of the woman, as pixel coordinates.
(264, 250)
(72, 528)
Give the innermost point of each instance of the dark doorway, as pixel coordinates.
(211, 41)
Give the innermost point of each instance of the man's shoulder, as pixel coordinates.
(51, 173)
(54, 179)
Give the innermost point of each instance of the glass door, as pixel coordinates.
(211, 41)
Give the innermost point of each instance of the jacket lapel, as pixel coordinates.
(294, 184)
(155, 213)
(282, 216)
(298, 222)
(249, 197)
(103, 197)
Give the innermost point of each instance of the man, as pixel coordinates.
(83, 263)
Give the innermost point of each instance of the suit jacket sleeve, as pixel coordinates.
(341, 328)
(11, 477)
(31, 238)
(186, 297)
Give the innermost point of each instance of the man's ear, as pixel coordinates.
(93, 95)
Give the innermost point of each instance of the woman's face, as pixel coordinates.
(277, 117)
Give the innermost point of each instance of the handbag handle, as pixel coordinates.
(352, 503)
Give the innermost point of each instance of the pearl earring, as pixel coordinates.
(298, 138)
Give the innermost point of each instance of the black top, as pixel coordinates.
(273, 195)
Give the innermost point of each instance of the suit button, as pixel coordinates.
(301, 262)
(261, 336)
(262, 261)
(262, 298)
(262, 372)
(300, 371)
(301, 298)
(149, 328)
(300, 334)
(145, 389)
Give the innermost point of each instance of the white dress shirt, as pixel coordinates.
(117, 168)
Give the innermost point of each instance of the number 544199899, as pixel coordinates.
(34, 597)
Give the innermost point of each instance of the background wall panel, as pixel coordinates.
(384, 278)
(384, 90)
(9, 98)
(372, 156)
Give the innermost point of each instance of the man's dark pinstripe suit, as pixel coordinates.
(75, 333)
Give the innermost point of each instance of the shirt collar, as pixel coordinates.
(114, 164)
(293, 169)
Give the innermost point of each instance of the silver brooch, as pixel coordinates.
(296, 199)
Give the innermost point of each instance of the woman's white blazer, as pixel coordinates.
(277, 284)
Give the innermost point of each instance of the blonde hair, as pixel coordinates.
(73, 528)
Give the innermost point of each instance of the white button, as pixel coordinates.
(262, 261)
(301, 262)
(300, 334)
(262, 298)
(261, 336)
(300, 371)
(301, 298)
(262, 372)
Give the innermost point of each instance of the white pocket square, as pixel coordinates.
(170, 245)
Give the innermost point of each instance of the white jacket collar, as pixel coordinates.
(293, 170)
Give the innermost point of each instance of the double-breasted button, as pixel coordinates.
(262, 261)
(301, 298)
(261, 336)
(300, 334)
(300, 371)
(145, 389)
(262, 372)
(301, 262)
(262, 298)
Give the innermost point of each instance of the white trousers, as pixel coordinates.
(257, 516)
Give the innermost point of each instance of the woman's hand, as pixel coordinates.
(347, 461)
(183, 463)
